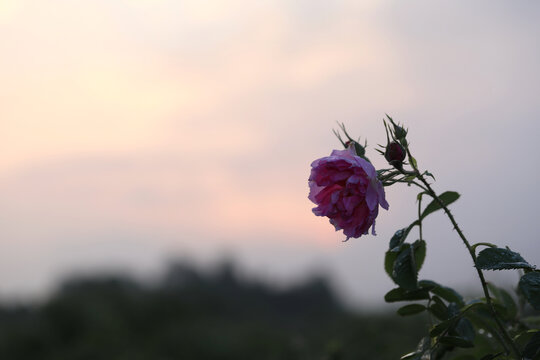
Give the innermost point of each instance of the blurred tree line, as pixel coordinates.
(190, 314)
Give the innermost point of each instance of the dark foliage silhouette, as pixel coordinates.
(191, 314)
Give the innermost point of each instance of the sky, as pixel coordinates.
(137, 132)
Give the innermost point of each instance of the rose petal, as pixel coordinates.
(372, 197)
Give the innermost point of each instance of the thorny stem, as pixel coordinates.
(420, 217)
(415, 183)
(489, 301)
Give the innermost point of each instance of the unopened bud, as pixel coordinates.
(395, 154)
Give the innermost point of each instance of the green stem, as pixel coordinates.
(489, 301)
(409, 183)
(420, 217)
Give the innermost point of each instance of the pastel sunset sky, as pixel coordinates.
(135, 132)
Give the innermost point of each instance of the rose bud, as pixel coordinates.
(399, 132)
(395, 154)
(346, 189)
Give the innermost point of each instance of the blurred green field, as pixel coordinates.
(190, 314)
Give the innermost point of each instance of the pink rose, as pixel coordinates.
(345, 188)
(395, 153)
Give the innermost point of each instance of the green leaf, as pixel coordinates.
(413, 162)
(398, 237)
(456, 341)
(389, 260)
(524, 337)
(480, 314)
(501, 259)
(453, 309)
(530, 286)
(442, 326)
(532, 349)
(400, 294)
(465, 330)
(444, 292)
(473, 304)
(404, 271)
(409, 178)
(411, 309)
(397, 246)
(419, 247)
(438, 308)
(447, 198)
(401, 267)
